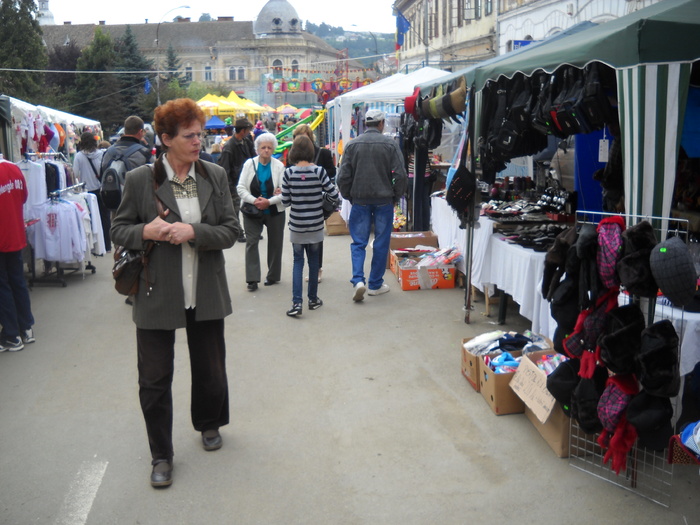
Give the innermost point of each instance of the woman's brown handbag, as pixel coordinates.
(128, 264)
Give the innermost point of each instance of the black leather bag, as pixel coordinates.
(250, 211)
(128, 265)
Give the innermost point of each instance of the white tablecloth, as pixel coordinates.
(516, 270)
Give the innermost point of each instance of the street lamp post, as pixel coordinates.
(158, 49)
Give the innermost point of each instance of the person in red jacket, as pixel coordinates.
(15, 309)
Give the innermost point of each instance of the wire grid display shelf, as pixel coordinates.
(648, 473)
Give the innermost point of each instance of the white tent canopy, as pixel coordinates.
(388, 91)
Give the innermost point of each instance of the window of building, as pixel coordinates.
(295, 68)
(232, 73)
(489, 7)
(277, 69)
(207, 74)
(188, 73)
(241, 73)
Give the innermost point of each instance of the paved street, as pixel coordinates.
(351, 414)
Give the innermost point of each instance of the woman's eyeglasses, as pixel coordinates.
(193, 137)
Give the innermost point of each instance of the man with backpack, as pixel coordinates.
(237, 150)
(128, 153)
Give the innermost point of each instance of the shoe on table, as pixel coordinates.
(12, 346)
(315, 304)
(295, 310)
(211, 439)
(27, 336)
(384, 288)
(252, 287)
(162, 473)
(359, 292)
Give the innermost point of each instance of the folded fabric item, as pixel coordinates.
(673, 269)
(657, 361)
(609, 249)
(690, 437)
(617, 394)
(651, 416)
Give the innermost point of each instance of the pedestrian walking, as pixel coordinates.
(372, 177)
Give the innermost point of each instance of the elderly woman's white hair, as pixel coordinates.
(266, 137)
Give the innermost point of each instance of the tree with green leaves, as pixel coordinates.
(128, 57)
(98, 95)
(60, 85)
(205, 17)
(21, 48)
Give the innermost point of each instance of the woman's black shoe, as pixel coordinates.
(268, 282)
(252, 287)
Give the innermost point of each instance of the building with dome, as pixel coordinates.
(270, 60)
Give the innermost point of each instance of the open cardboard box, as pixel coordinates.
(545, 414)
(421, 278)
(496, 391)
(404, 240)
(470, 365)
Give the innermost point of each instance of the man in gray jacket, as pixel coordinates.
(372, 177)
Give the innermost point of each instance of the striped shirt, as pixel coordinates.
(302, 191)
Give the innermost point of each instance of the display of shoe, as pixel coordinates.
(211, 439)
(295, 310)
(384, 288)
(252, 287)
(12, 346)
(359, 292)
(162, 473)
(27, 336)
(315, 304)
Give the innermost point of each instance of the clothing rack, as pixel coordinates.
(47, 155)
(48, 276)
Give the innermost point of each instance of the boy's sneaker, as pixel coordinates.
(12, 346)
(295, 310)
(384, 288)
(359, 293)
(27, 336)
(315, 304)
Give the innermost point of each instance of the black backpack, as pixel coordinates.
(114, 176)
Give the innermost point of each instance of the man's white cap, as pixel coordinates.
(374, 115)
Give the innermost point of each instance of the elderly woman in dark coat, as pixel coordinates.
(185, 284)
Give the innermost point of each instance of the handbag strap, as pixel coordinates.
(93, 168)
(161, 213)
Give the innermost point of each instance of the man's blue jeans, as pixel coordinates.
(15, 306)
(362, 218)
(312, 254)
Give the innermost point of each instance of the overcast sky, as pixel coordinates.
(367, 15)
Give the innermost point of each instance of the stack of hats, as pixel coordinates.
(633, 268)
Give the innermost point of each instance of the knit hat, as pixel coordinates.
(609, 249)
(584, 402)
(672, 267)
(657, 360)
(562, 382)
(633, 268)
(651, 416)
(622, 338)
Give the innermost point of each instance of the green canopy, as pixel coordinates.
(664, 32)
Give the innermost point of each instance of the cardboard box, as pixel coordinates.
(545, 414)
(403, 240)
(470, 365)
(421, 278)
(496, 391)
(335, 225)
